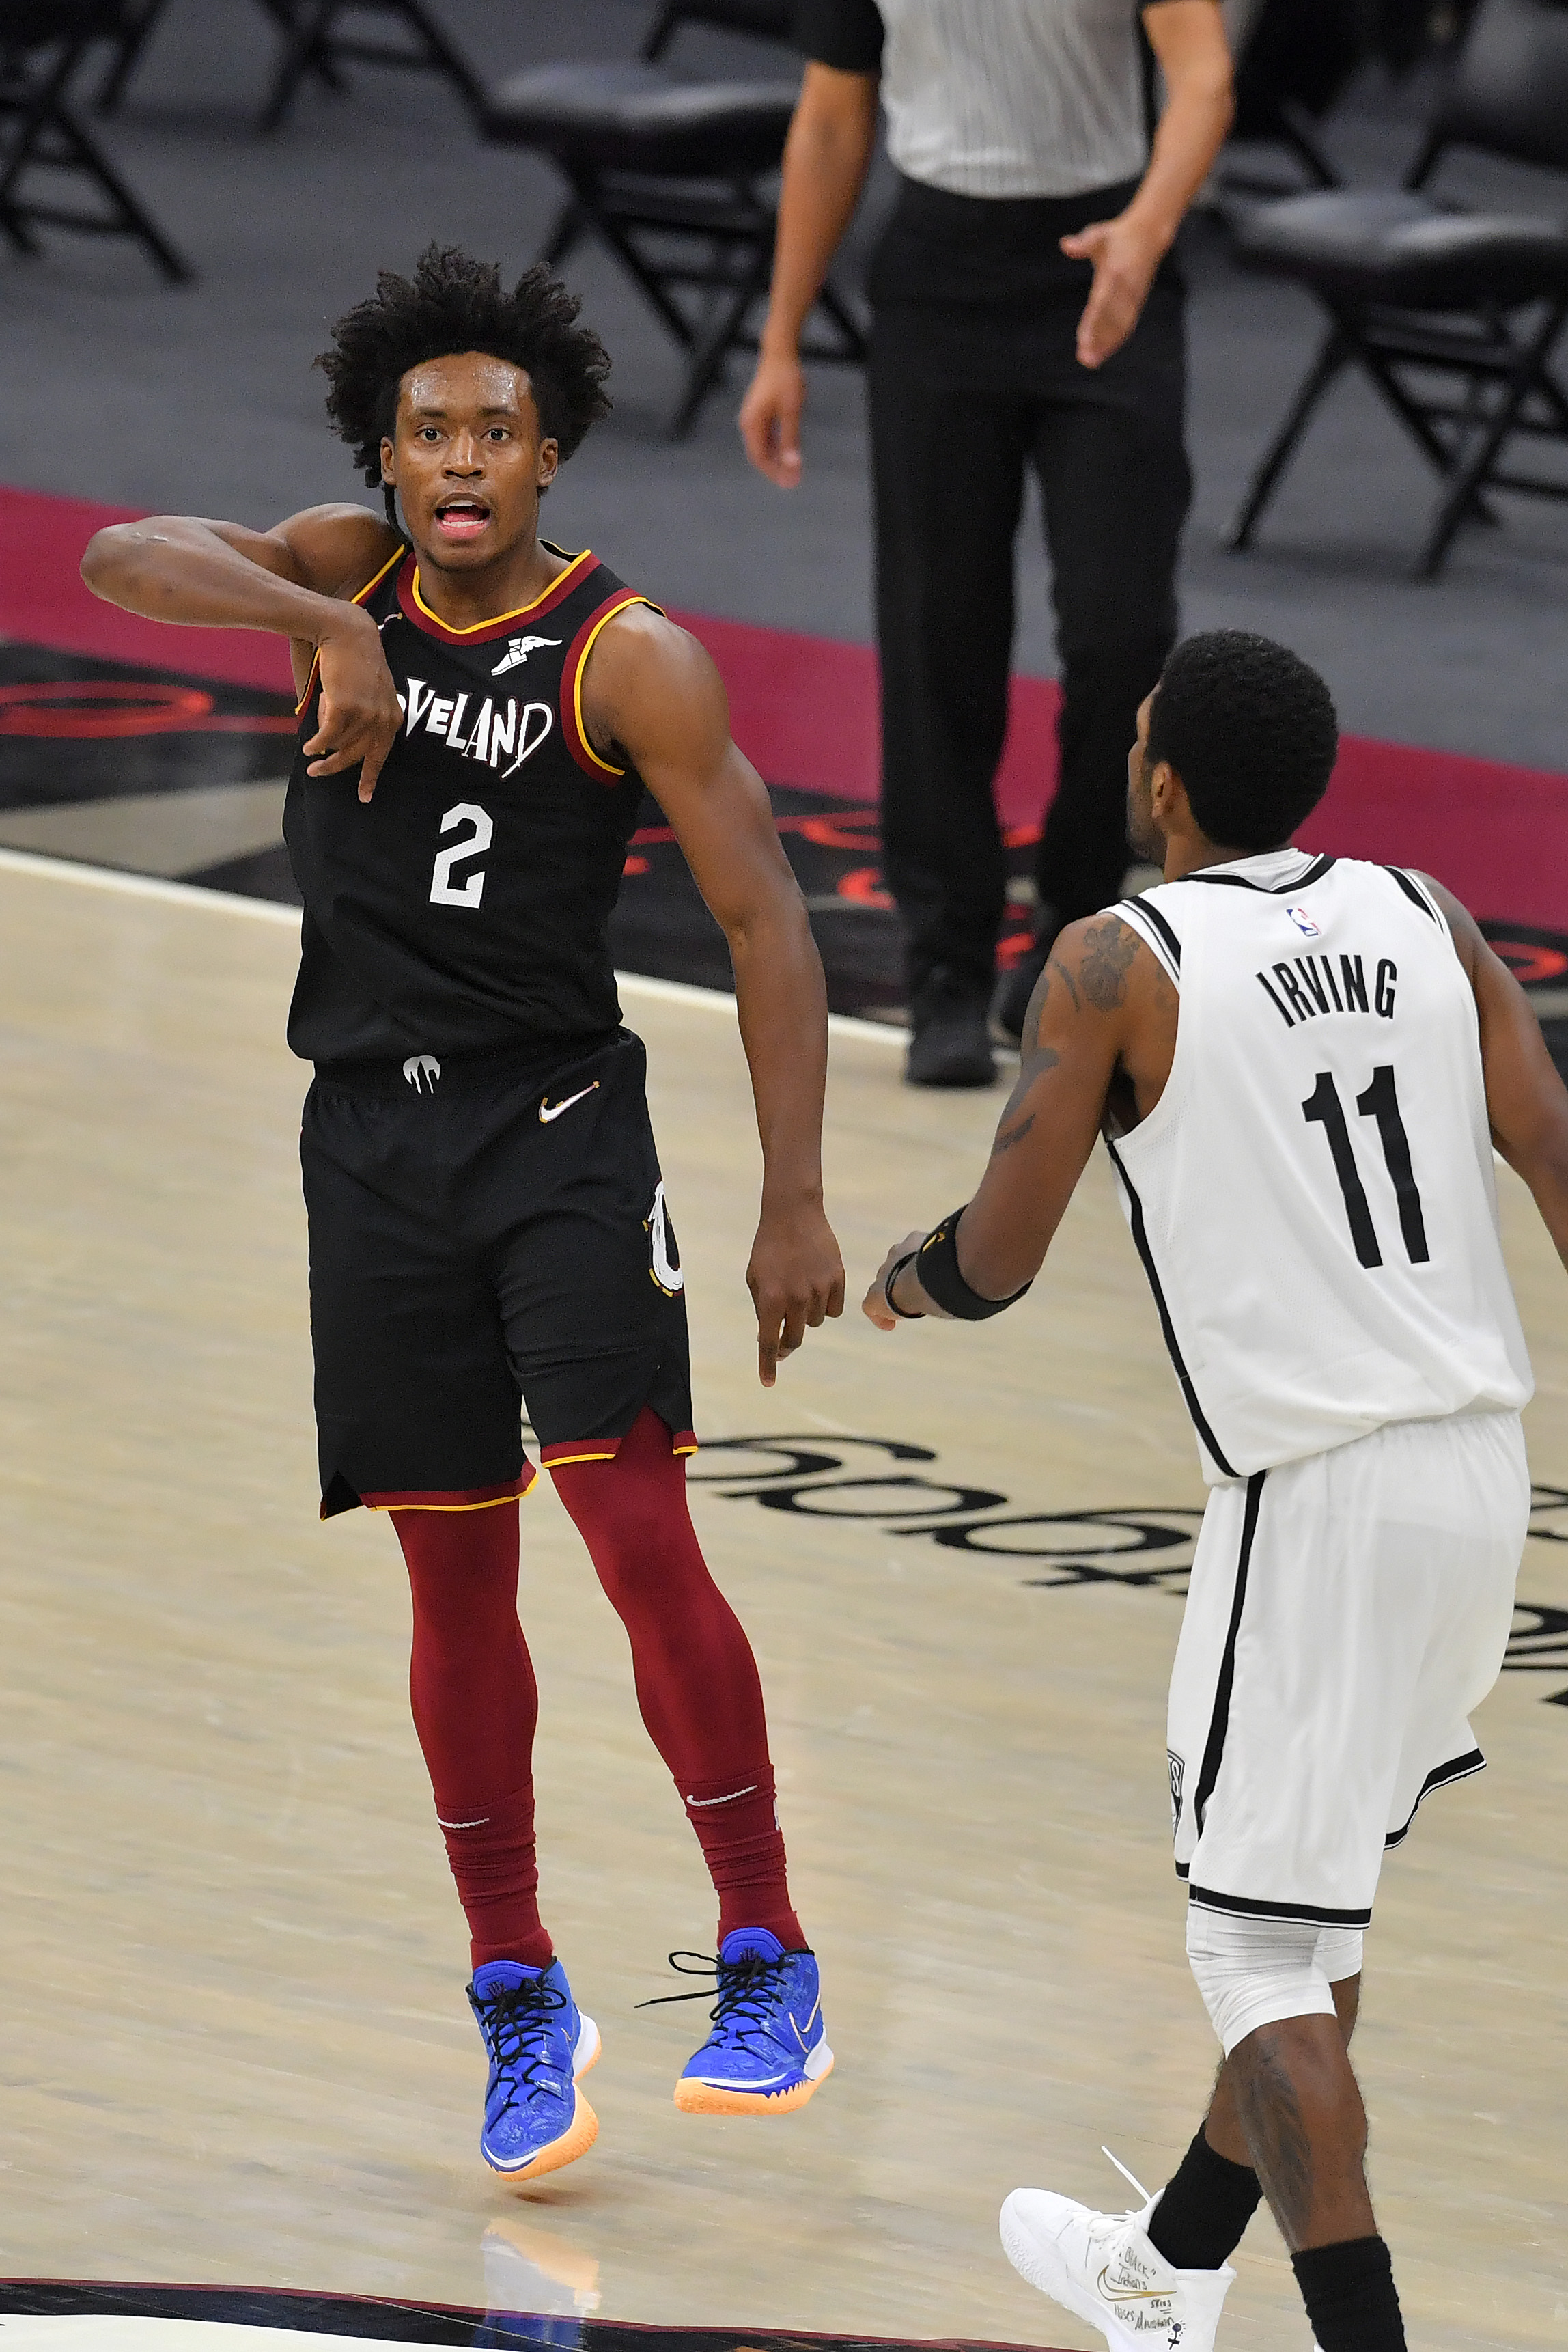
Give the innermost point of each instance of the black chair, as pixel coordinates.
(1294, 63)
(316, 43)
(668, 176)
(43, 141)
(1417, 291)
(137, 21)
(313, 42)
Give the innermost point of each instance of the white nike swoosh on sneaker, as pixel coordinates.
(553, 1110)
(795, 2023)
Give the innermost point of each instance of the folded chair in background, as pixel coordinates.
(1293, 58)
(669, 176)
(1453, 316)
(45, 150)
(319, 38)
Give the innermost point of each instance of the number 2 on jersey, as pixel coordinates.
(443, 891)
(1381, 1103)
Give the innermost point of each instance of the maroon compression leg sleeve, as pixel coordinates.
(476, 1705)
(697, 1684)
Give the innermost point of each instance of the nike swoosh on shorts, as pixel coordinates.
(553, 1110)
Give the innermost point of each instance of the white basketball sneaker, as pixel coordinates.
(1104, 2268)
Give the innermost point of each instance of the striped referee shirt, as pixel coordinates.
(996, 97)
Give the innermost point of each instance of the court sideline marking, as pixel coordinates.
(268, 910)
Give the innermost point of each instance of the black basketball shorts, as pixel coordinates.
(484, 1235)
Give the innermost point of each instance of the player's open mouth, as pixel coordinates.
(462, 518)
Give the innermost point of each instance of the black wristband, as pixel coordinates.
(936, 1263)
(904, 1313)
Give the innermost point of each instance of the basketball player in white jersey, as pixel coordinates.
(1301, 1066)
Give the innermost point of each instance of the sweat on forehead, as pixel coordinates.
(470, 379)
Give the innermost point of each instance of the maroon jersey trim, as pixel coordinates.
(416, 610)
(453, 1498)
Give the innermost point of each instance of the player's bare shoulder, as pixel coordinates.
(1104, 978)
(336, 549)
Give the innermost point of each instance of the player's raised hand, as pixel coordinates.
(796, 1277)
(359, 714)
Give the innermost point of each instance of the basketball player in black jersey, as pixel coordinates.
(480, 714)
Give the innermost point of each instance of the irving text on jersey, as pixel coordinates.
(1310, 986)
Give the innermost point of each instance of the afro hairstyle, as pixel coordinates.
(1251, 731)
(454, 303)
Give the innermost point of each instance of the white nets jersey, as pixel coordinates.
(1312, 1196)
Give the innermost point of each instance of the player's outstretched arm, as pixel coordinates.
(651, 696)
(295, 580)
(1527, 1102)
(1092, 1011)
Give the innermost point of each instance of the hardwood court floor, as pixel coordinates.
(236, 2044)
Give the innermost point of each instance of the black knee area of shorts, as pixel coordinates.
(1207, 2203)
(1350, 2296)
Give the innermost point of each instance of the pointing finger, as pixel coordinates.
(374, 761)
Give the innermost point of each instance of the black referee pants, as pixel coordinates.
(963, 399)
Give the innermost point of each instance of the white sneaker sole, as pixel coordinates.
(589, 2046)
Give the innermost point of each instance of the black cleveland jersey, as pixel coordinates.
(464, 909)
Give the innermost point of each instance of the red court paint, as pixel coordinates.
(44, 603)
(805, 710)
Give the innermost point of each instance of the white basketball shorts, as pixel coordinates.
(1345, 1613)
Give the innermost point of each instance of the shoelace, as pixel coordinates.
(744, 1988)
(1110, 2222)
(507, 2018)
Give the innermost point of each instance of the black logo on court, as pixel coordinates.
(887, 1482)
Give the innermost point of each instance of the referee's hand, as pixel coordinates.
(359, 714)
(1125, 256)
(796, 1277)
(769, 418)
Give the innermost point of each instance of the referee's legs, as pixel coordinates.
(1110, 453)
(948, 470)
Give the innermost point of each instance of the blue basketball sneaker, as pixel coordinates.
(537, 2041)
(768, 2052)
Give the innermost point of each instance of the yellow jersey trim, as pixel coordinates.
(494, 1504)
(614, 615)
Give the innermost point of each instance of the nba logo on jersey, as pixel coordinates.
(1303, 922)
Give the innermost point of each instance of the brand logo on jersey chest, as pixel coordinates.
(492, 732)
(518, 649)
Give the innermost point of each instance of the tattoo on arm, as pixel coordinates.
(1108, 949)
(1008, 1136)
(1071, 985)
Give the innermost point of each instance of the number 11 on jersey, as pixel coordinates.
(1380, 1101)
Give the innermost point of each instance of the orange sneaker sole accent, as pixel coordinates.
(574, 2142)
(694, 2098)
